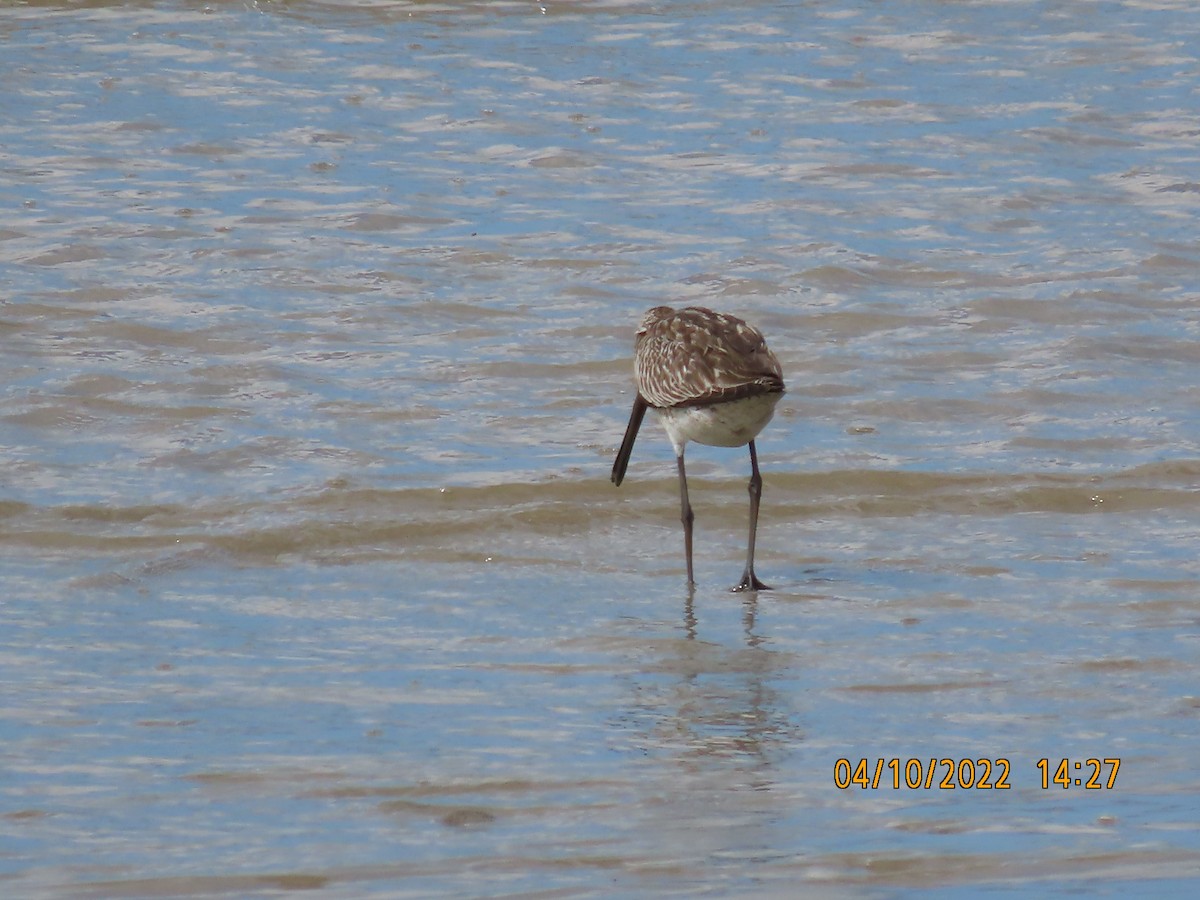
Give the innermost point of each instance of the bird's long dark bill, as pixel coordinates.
(631, 431)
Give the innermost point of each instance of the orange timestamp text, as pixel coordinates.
(980, 774)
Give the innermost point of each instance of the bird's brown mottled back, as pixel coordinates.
(696, 357)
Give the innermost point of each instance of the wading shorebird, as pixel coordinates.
(712, 380)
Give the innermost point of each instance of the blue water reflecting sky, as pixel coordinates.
(315, 329)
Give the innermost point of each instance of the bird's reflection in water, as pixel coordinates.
(713, 696)
(749, 615)
(689, 613)
(708, 709)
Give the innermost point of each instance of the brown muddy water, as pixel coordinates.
(316, 324)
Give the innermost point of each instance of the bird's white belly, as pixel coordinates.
(720, 424)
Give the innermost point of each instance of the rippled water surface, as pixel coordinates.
(315, 329)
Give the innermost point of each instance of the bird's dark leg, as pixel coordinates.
(685, 516)
(749, 581)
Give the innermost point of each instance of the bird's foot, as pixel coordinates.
(749, 582)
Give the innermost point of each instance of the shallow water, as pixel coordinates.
(315, 328)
